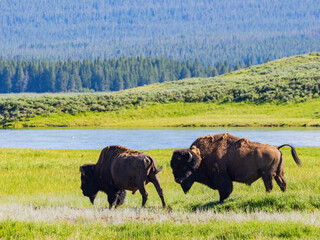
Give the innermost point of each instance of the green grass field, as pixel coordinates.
(40, 198)
(304, 114)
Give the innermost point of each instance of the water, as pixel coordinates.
(145, 139)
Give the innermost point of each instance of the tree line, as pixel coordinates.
(114, 74)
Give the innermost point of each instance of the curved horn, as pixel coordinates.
(82, 170)
(190, 157)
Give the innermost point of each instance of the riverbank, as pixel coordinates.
(41, 198)
(304, 114)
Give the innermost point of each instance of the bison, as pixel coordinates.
(119, 169)
(218, 160)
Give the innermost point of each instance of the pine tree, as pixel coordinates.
(7, 82)
(185, 73)
(97, 78)
(86, 74)
(21, 80)
(61, 81)
(237, 66)
(33, 70)
(248, 62)
(51, 78)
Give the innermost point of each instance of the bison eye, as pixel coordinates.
(184, 168)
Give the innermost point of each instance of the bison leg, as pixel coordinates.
(144, 194)
(156, 182)
(121, 195)
(112, 198)
(267, 179)
(225, 187)
(280, 176)
(281, 182)
(116, 197)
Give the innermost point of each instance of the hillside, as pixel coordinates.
(210, 31)
(293, 79)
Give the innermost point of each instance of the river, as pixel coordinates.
(145, 139)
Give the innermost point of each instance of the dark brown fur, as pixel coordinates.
(119, 169)
(218, 160)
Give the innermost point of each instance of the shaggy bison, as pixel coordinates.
(119, 169)
(218, 160)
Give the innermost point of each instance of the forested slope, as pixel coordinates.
(289, 79)
(211, 31)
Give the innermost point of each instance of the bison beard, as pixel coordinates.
(119, 169)
(218, 160)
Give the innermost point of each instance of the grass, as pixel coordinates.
(166, 230)
(304, 114)
(40, 198)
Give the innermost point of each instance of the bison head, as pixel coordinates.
(184, 163)
(88, 184)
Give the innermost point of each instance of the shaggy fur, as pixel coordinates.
(218, 160)
(119, 169)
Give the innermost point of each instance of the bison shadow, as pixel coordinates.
(210, 205)
(263, 203)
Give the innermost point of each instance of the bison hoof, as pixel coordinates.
(168, 208)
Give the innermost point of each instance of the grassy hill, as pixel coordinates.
(284, 92)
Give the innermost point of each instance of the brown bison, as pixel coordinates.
(218, 160)
(119, 169)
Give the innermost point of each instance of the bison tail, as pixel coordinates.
(153, 164)
(293, 153)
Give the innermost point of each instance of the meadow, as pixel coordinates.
(40, 198)
(303, 114)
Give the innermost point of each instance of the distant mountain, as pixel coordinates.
(211, 31)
